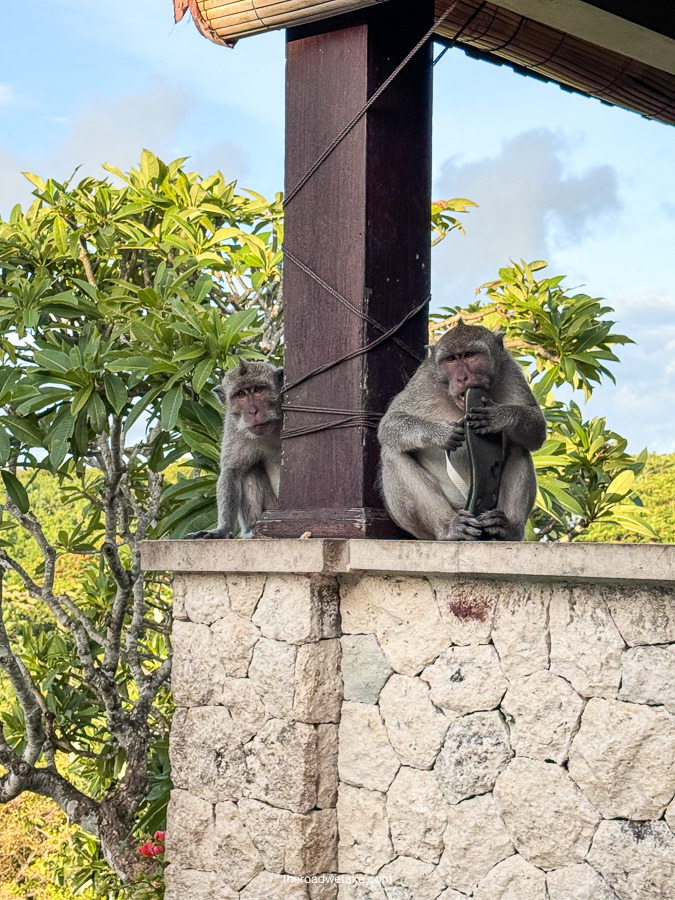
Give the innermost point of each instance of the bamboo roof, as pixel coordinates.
(497, 34)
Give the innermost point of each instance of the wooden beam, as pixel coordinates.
(362, 223)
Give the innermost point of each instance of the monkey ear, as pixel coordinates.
(219, 391)
(500, 335)
(279, 376)
(243, 367)
(459, 321)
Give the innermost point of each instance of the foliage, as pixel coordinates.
(34, 848)
(442, 223)
(584, 472)
(118, 306)
(656, 486)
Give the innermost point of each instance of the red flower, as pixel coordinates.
(146, 849)
(160, 835)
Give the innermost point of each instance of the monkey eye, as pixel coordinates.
(258, 389)
(240, 393)
(450, 358)
(469, 354)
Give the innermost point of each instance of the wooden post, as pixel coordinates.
(362, 223)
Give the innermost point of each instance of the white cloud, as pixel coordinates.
(528, 203)
(115, 131)
(7, 95)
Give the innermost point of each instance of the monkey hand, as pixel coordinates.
(495, 525)
(465, 527)
(452, 435)
(490, 418)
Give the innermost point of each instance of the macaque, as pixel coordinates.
(423, 494)
(250, 455)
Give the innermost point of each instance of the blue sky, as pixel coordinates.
(559, 177)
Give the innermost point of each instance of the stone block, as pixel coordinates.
(361, 887)
(402, 613)
(281, 765)
(365, 756)
(178, 610)
(549, 820)
(197, 674)
(236, 857)
(520, 628)
(235, 638)
(206, 753)
(269, 828)
(648, 676)
(318, 682)
(190, 833)
(267, 886)
(475, 750)
(312, 843)
(475, 841)
(578, 882)
(636, 859)
(205, 598)
(242, 700)
(406, 877)
(327, 764)
(586, 646)
(318, 890)
(644, 614)
(298, 608)
(244, 592)
(415, 727)
(364, 668)
(191, 884)
(623, 759)
(466, 679)
(417, 815)
(272, 673)
(512, 879)
(467, 608)
(543, 713)
(364, 839)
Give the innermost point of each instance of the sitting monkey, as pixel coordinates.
(250, 455)
(427, 418)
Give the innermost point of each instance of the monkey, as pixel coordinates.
(250, 455)
(423, 494)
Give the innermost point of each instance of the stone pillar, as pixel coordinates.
(387, 720)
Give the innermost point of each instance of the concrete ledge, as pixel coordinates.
(585, 562)
(293, 556)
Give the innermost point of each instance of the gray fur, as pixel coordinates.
(427, 418)
(249, 463)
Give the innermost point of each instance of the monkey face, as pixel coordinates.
(251, 404)
(468, 356)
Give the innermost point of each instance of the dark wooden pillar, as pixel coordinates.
(362, 223)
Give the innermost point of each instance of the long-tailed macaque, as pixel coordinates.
(250, 456)
(423, 494)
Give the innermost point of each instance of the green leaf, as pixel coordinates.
(5, 447)
(60, 235)
(96, 414)
(60, 435)
(623, 483)
(34, 179)
(171, 404)
(53, 360)
(16, 491)
(201, 374)
(115, 391)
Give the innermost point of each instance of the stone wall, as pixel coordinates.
(438, 736)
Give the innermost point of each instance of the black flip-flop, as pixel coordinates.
(486, 457)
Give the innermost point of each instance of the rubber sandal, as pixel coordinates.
(486, 456)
